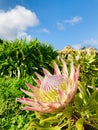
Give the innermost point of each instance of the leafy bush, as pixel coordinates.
(88, 60)
(18, 61)
(19, 58)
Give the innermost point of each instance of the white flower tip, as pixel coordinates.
(56, 68)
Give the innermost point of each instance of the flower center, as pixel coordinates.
(49, 88)
(51, 82)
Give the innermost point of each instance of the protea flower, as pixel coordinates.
(53, 92)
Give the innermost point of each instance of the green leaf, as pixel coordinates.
(78, 102)
(35, 124)
(79, 124)
(94, 96)
(83, 93)
(67, 113)
(92, 105)
(49, 119)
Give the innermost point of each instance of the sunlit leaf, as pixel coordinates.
(79, 124)
(78, 102)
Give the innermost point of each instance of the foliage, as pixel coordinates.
(20, 58)
(18, 61)
(11, 116)
(82, 113)
(88, 60)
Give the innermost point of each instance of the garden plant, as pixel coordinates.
(62, 95)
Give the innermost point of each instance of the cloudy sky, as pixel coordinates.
(57, 22)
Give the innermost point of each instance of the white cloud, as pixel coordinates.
(60, 26)
(91, 42)
(44, 30)
(73, 20)
(24, 35)
(15, 22)
(76, 46)
(63, 25)
(86, 43)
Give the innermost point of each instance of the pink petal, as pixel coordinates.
(46, 72)
(28, 93)
(26, 101)
(56, 69)
(51, 82)
(39, 109)
(75, 87)
(30, 86)
(55, 105)
(72, 71)
(65, 71)
(43, 104)
(37, 81)
(71, 93)
(68, 98)
(39, 76)
(62, 96)
(76, 75)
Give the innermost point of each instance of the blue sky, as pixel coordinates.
(57, 22)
